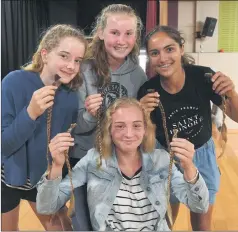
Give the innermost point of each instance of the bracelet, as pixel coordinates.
(194, 178)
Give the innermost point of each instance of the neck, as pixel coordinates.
(174, 83)
(128, 158)
(115, 64)
(46, 78)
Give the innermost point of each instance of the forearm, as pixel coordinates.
(85, 122)
(49, 197)
(190, 174)
(232, 106)
(194, 195)
(55, 172)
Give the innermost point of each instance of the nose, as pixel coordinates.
(163, 56)
(121, 40)
(129, 132)
(71, 65)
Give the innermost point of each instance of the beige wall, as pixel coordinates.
(191, 17)
(186, 23)
(224, 62)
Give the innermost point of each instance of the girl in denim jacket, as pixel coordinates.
(128, 191)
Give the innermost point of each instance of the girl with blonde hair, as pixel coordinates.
(28, 95)
(127, 191)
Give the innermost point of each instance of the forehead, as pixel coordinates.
(71, 45)
(121, 22)
(127, 114)
(160, 40)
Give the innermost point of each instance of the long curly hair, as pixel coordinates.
(50, 40)
(97, 51)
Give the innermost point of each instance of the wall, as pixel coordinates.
(191, 17)
(224, 62)
(186, 23)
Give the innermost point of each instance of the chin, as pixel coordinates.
(121, 56)
(66, 80)
(164, 73)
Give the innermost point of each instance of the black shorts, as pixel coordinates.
(11, 197)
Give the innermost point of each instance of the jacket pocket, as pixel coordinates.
(99, 187)
(160, 176)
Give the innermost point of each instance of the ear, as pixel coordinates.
(182, 50)
(44, 54)
(100, 34)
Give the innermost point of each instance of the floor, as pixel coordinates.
(225, 210)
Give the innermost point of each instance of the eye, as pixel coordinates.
(129, 33)
(65, 57)
(169, 49)
(119, 126)
(154, 53)
(115, 32)
(137, 126)
(78, 61)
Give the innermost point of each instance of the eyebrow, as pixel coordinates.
(114, 29)
(133, 121)
(170, 45)
(70, 54)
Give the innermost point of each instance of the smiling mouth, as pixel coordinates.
(66, 73)
(120, 48)
(164, 66)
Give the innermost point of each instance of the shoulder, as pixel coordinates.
(86, 65)
(17, 81)
(197, 70)
(16, 76)
(92, 155)
(140, 72)
(150, 84)
(88, 72)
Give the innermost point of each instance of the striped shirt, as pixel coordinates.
(131, 210)
(26, 186)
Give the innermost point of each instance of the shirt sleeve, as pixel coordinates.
(194, 196)
(85, 122)
(142, 91)
(17, 127)
(214, 97)
(53, 194)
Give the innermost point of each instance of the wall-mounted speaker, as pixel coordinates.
(209, 26)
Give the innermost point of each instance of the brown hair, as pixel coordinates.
(173, 34)
(50, 40)
(97, 51)
(148, 143)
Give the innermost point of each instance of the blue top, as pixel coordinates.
(103, 185)
(24, 141)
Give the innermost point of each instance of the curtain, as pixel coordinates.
(22, 23)
(151, 15)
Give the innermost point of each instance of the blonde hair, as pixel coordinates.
(51, 39)
(148, 143)
(97, 51)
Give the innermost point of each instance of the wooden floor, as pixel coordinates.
(225, 210)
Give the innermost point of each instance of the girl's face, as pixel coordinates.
(127, 129)
(164, 54)
(64, 60)
(119, 36)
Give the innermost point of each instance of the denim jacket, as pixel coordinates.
(103, 185)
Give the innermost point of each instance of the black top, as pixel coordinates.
(189, 110)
